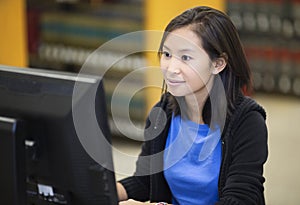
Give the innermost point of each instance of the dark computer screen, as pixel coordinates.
(43, 160)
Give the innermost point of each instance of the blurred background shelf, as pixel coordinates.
(270, 32)
(63, 34)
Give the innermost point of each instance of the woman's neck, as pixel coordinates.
(195, 104)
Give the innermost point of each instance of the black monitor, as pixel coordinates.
(45, 138)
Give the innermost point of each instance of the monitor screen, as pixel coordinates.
(46, 135)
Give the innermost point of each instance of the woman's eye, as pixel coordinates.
(166, 54)
(186, 58)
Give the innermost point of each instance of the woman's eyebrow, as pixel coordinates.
(166, 47)
(181, 50)
(186, 50)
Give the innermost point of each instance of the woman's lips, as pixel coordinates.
(174, 82)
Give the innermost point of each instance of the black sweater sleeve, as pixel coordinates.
(138, 185)
(244, 178)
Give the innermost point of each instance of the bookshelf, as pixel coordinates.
(270, 32)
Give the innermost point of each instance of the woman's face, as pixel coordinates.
(186, 66)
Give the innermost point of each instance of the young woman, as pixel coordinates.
(205, 142)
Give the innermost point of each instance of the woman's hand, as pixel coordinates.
(133, 202)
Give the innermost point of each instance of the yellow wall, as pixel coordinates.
(158, 13)
(13, 39)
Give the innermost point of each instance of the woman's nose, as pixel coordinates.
(174, 65)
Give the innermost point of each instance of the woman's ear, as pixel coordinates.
(219, 64)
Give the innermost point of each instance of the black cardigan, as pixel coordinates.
(244, 152)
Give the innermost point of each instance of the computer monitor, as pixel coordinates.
(43, 160)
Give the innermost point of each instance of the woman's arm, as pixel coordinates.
(138, 186)
(133, 202)
(122, 194)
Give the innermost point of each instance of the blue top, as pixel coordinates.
(192, 160)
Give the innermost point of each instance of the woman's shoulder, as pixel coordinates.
(248, 104)
(245, 106)
(248, 117)
(163, 101)
(160, 110)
